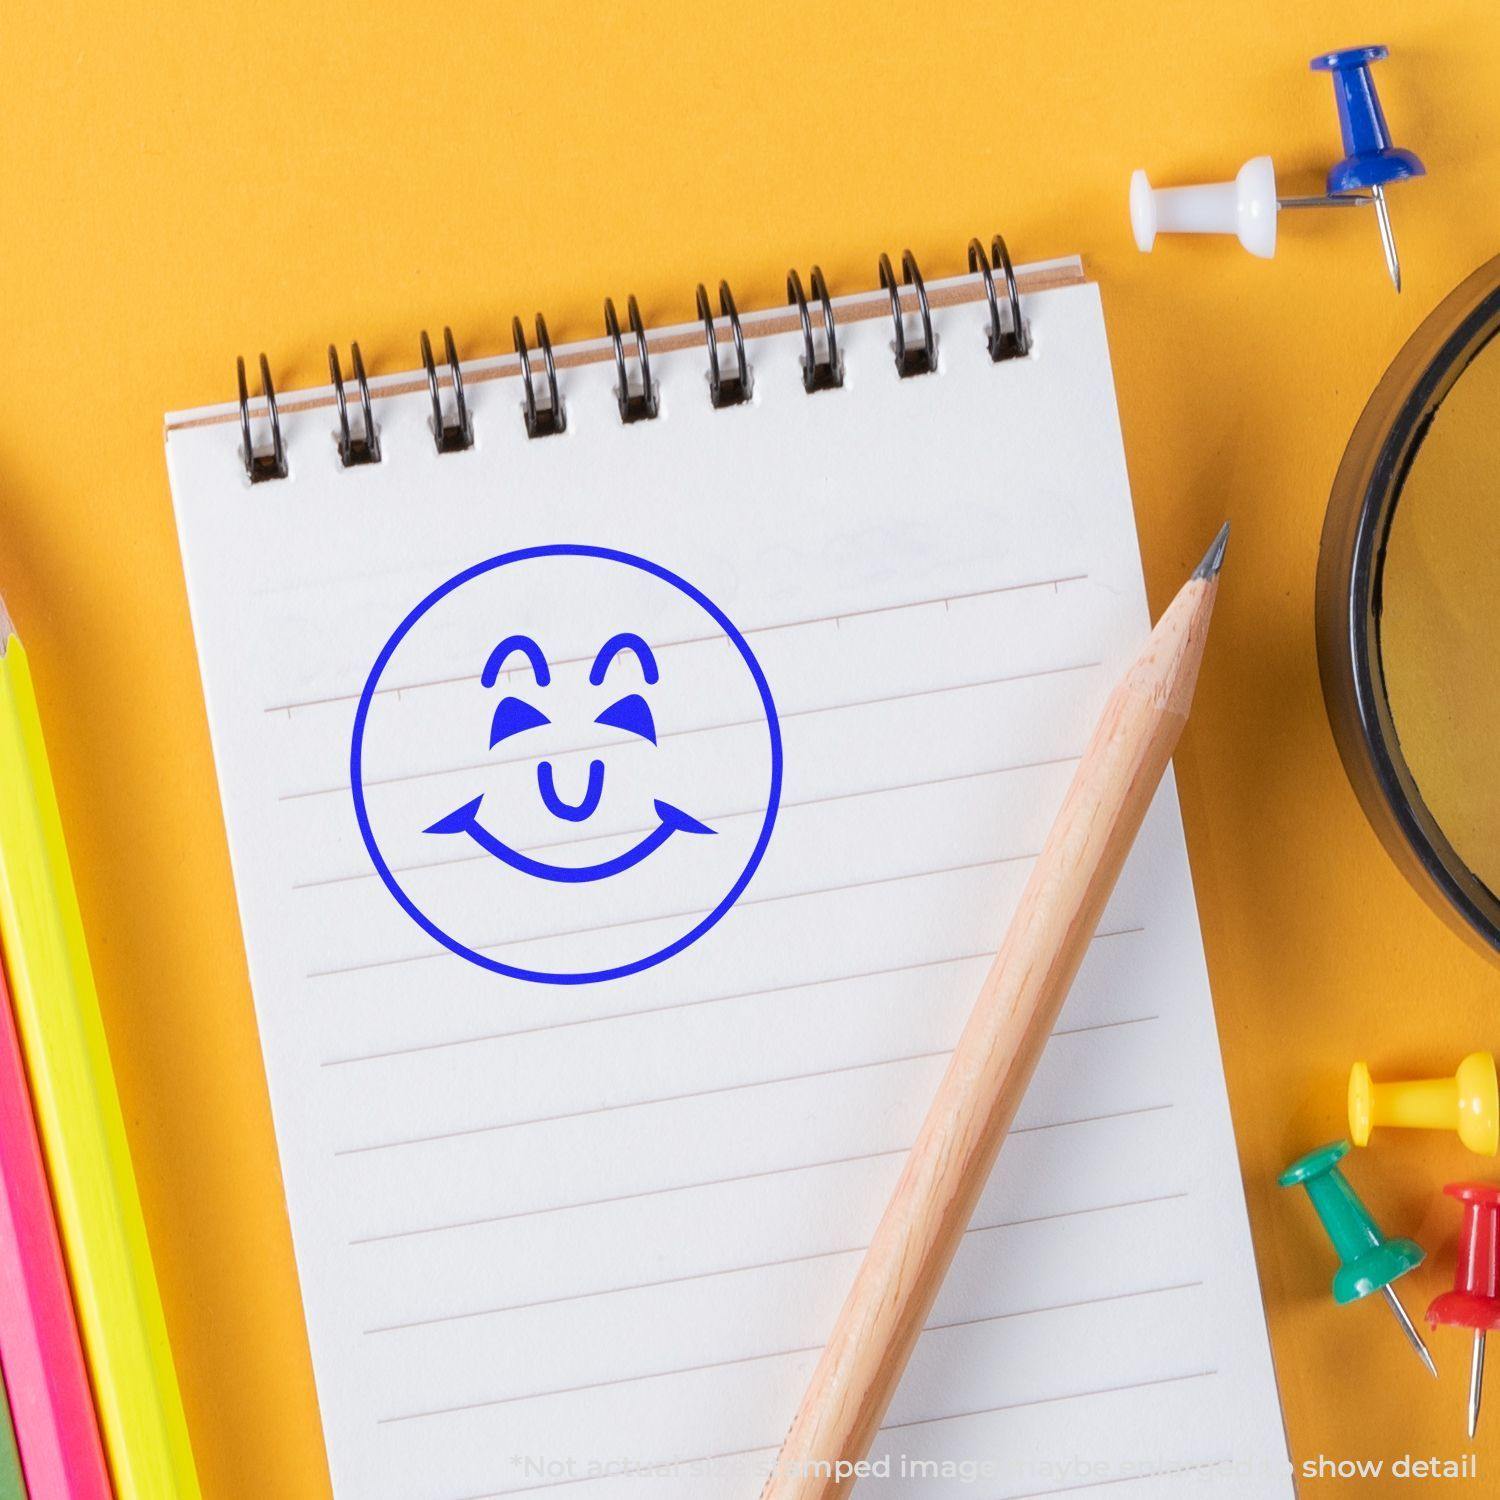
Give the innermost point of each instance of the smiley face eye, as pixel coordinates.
(512, 715)
(632, 714)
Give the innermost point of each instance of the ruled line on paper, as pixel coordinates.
(661, 1192)
(655, 1010)
(765, 1265)
(673, 916)
(686, 1187)
(770, 1449)
(343, 787)
(740, 995)
(609, 1109)
(714, 818)
(748, 1359)
(1108, 1390)
(697, 640)
(927, 1055)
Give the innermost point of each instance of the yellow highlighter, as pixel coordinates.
(78, 1115)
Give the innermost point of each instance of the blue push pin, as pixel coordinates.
(1370, 160)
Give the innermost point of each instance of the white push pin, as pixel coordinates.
(1245, 208)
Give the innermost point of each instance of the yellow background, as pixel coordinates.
(184, 183)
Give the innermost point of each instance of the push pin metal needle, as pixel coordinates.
(1246, 207)
(1369, 1262)
(1370, 160)
(1409, 1329)
(1474, 1302)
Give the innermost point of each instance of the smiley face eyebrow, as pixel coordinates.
(626, 640)
(528, 648)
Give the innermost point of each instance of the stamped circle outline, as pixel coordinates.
(361, 714)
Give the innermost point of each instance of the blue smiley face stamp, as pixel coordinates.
(566, 764)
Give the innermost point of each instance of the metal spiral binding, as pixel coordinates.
(259, 466)
(729, 384)
(635, 406)
(919, 359)
(1005, 343)
(724, 390)
(455, 436)
(826, 374)
(364, 449)
(541, 421)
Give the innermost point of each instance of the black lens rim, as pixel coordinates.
(1351, 564)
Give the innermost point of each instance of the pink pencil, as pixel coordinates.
(45, 1375)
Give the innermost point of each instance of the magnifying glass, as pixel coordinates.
(1408, 608)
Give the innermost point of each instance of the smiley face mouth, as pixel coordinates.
(670, 820)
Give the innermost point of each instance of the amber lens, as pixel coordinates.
(1439, 616)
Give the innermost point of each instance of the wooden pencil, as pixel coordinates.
(78, 1115)
(1016, 1010)
(46, 1380)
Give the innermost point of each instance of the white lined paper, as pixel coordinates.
(552, 1236)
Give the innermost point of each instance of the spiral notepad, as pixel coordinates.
(631, 751)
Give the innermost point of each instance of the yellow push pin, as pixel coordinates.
(1469, 1103)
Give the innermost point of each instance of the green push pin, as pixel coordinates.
(1369, 1261)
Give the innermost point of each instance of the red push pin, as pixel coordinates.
(1474, 1301)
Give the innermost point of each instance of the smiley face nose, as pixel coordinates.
(573, 812)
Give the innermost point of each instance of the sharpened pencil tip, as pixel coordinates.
(1213, 559)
